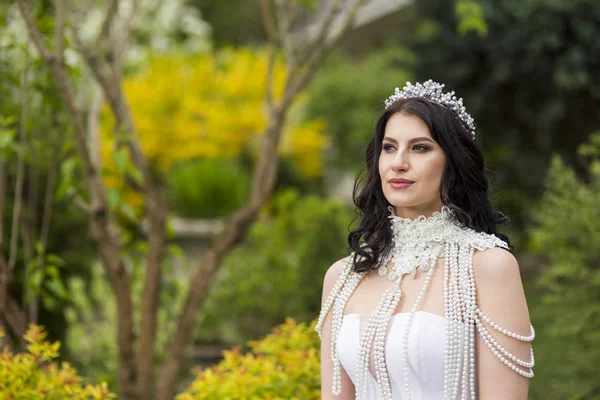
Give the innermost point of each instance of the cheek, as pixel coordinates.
(435, 169)
(383, 165)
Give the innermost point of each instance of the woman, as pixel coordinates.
(430, 304)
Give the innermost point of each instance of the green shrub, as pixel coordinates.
(208, 188)
(283, 365)
(33, 375)
(568, 234)
(349, 95)
(278, 271)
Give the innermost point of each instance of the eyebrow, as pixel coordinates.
(418, 139)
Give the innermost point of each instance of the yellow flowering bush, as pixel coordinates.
(209, 106)
(283, 365)
(33, 375)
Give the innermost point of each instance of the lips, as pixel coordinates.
(400, 183)
(400, 180)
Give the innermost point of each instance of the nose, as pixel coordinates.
(400, 162)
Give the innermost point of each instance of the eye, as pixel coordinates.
(387, 147)
(420, 147)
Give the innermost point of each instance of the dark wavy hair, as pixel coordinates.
(463, 189)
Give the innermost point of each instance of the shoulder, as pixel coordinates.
(335, 270)
(496, 263)
(501, 298)
(499, 286)
(333, 274)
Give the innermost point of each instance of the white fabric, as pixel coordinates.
(425, 354)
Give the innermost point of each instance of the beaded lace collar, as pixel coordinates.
(417, 243)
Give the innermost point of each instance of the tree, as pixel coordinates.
(567, 234)
(530, 82)
(104, 57)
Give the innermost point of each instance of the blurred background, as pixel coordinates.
(176, 178)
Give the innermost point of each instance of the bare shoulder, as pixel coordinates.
(496, 264)
(332, 275)
(499, 286)
(500, 296)
(337, 268)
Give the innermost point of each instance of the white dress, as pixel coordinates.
(371, 348)
(425, 354)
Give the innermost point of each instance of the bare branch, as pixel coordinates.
(297, 82)
(122, 40)
(14, 315)
(82, 205)
(18, 202)
(268, 22)
(99, 223)
(322, 32)
(59, 29)
(287, 14)
(2, 198)
(107, 23)
(269, 78)
(152, 286)
(34, 32)
(93, 125)
(93, 60)
(46, 219)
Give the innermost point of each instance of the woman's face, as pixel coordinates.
(411, 165)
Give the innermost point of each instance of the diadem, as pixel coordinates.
(432, 91)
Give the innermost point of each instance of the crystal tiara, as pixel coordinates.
(432, 91)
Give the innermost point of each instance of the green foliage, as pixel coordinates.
(34, 375)
(283, 365)
(233, 23)
(350, 94)
(208, 188)
(92, 315)
(277, 272)
(527, 82)
(470, 15)
(568, 234)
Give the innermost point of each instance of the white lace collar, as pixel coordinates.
(418, 243)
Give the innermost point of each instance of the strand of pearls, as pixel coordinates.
(383, 380)
(408, 324)
(470, 296)
(341, 281)
(466, 312)
(447, 317)
(504, 331)
(365, 351)
(499, 351)
(416, 246)
(336, 325)
(450, 312)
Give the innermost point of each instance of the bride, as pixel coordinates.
(430, 304)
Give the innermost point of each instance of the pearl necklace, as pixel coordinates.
(416, 246)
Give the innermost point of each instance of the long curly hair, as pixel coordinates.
(463, 189)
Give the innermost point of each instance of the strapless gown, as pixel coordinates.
(426, 346)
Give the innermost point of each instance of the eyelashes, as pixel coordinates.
(417, 147)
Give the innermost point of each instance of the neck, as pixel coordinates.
(418, 211)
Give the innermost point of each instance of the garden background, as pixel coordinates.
(176, 178)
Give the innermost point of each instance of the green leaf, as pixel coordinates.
(128, 211)
(35, 280)
(55, 259)
(113, 196)
(57, 287)
(135, 174)
(121, 158)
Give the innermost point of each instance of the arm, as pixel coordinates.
(326, 364)
(500, 296)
